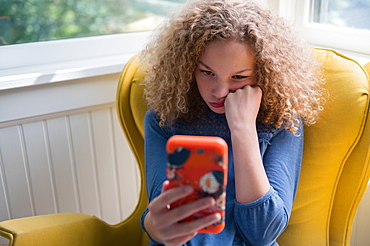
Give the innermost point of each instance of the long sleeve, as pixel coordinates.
(155, 160)
(262, 221)
(155, 154)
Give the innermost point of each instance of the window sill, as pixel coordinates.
(58, 72)
(64, 60)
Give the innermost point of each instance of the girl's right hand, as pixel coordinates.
(163, 225)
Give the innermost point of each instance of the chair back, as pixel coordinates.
(335, 168)
(131, 109)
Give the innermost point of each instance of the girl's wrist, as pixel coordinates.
(148, 229)
(243, 128)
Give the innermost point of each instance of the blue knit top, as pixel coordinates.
(257, 223)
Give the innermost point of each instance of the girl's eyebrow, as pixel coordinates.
(206, 66)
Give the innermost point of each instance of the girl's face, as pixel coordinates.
(224, 68)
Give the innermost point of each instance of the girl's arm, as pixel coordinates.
(158, 221)
(241, 109)
(265, 186)
(262, 221)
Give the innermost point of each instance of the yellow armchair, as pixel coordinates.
(335, 169)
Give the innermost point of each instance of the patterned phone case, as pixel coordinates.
(201, 162)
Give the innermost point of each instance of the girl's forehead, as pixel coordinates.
(228, 57)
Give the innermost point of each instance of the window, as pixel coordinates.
(340, 24)
(342, 13)
(45, 41)
(43, 20)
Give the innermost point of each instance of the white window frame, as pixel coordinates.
(58, 51)
(61, 60)
(345, 39)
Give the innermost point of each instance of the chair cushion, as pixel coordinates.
(328, 144)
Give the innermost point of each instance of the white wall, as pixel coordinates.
(361, 235)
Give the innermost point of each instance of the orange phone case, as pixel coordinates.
(199, 161)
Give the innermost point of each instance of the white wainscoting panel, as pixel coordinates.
(76, 162)
(62, 150)
(361, 225)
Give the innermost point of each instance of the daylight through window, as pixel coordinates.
(24, 21)
(341, 13)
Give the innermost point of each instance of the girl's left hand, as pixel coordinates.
(242, 106)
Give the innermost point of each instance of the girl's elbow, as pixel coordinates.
(268, 234)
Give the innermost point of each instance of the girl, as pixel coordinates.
(231, 69)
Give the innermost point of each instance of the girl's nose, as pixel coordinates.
(221, 89)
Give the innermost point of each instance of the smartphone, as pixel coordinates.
(201, 162)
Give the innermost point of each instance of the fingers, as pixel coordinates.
(180, 240)
(253, 88)
(190, 208)
(242, 106)
(187, 227)
(248, 92)
(169, 196)
(246, 98)
(180, 233)
(195, 225)
(163, 224)
(162, 217)
(165, 185)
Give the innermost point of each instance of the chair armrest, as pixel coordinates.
(54, 229)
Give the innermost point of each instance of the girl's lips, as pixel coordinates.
(219, 104)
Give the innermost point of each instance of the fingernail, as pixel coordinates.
(216, 217)
(210, 201)
(213, 218)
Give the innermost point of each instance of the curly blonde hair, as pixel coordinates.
(290, 78)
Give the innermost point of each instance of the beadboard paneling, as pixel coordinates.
(15, 178)
(63, 164)
(37, 166)
(79, 162)
(361, 225)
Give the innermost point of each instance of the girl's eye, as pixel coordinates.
(239, 77)
(209, 73)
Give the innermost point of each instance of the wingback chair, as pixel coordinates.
(334, 177)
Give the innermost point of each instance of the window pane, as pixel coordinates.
(23, 21)
(343, 13)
